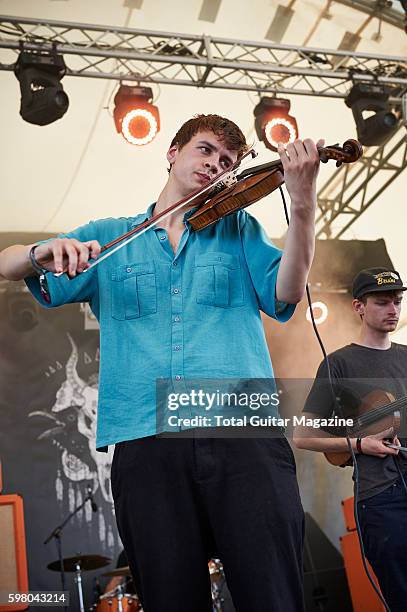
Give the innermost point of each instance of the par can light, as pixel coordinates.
(135, 117)
(273, 124)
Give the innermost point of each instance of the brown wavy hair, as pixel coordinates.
(225, 129)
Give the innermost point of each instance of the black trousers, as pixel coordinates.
(180, 502)
(383, 520)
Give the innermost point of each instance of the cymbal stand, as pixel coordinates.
(78, 580)
(57, 534)
(117, 594)
(120, 597)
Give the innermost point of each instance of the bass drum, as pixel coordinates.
(130, 603)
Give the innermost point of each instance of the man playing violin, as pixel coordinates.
(178, 305)
(358, 370)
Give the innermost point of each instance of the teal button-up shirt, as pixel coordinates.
(192, 315)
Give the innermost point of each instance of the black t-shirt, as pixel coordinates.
(356, 371)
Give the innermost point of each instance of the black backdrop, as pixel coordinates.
(48, 389)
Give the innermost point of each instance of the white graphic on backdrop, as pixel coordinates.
(73, 431)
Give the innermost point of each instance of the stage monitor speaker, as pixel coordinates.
(13, 556)
(327, 591)
(363, 595)
(325, 585)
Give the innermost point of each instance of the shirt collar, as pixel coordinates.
(143, 216)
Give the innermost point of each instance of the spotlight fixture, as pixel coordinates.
(135, 117)
(43, 99)
(273, 123)
(320, 312)
(372, 130)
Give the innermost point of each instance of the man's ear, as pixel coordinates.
(172, 154)
(358, 307)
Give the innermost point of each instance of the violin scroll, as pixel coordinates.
(350, 152)
(255, 183)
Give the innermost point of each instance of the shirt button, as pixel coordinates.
(174, 263)
(178, 377)
(177, 347)
(162, 237)
(175, 290)
(129, 269)
(177, 319)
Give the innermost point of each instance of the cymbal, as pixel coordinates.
(87, 562)
(119, 571)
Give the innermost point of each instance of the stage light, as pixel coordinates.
(375, 129)
(273, 123)
(43, 99)
(135, 117)
(320, 312)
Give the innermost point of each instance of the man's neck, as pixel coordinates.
(374, 339)
(167, 197)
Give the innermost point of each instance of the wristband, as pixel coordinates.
(41, 272)
(35, 263)
(359, 446)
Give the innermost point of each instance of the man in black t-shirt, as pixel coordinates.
(366, 375)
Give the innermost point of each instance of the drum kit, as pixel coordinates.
(118, 599)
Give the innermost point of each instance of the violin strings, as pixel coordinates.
(374, 415)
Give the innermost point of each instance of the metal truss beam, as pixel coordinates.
(199, 60)
(127, 54)
(350, 191)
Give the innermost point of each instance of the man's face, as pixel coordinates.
(199, 161)
(381, 311)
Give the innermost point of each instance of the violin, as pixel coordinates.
(378, 411)
(228, 192)
(255, 183)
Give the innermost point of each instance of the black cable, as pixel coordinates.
(338, 408)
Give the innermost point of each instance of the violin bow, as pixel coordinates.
(143, 227)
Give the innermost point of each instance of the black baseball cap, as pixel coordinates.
(373, 280)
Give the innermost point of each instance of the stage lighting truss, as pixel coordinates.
(382, 122)
(273, 124)
(135, 117)
(204, 61)
(43, 99)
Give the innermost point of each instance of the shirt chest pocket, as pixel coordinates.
(133, 291)
(218, 279)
